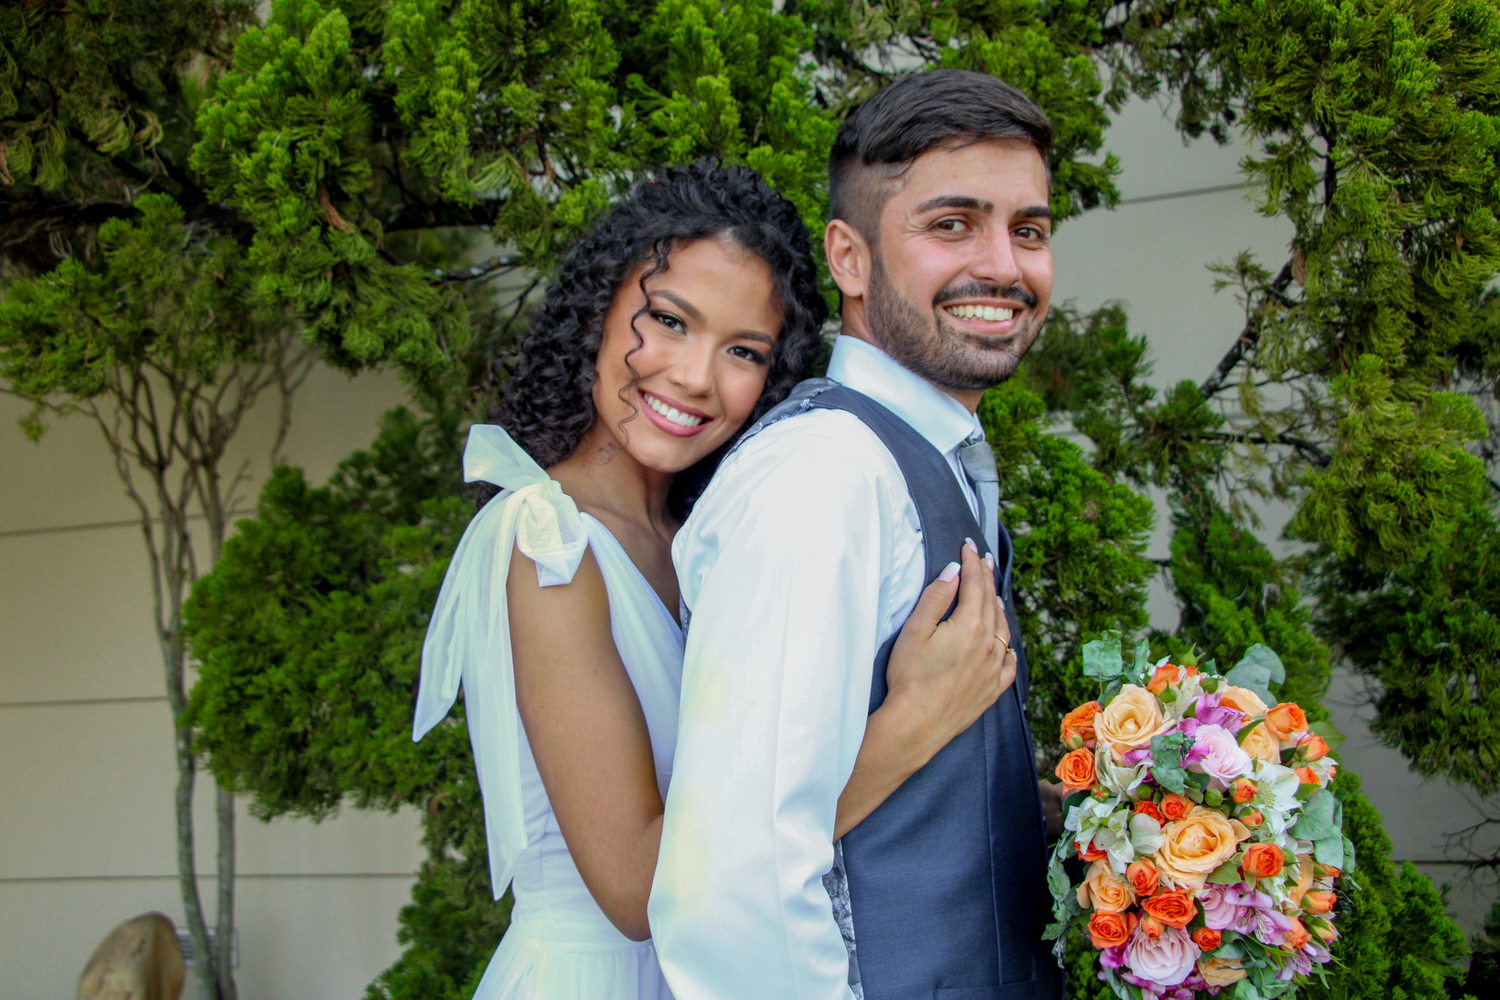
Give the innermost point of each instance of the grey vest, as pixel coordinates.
(941, 891)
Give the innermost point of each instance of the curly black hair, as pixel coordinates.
(547, 402)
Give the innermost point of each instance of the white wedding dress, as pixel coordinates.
(559, 946)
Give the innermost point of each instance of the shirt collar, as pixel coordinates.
(942, 420)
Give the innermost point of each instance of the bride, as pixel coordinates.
(689, 310)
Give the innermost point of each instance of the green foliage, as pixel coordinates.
(1484, 966)
(1079, 541)
(1428, 632)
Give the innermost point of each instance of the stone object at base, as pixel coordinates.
(139, 960)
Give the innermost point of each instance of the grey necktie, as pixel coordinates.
(978, 460)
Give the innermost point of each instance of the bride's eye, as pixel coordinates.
(749, 354)
(669, 321)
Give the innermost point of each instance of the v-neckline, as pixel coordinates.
(666, 613)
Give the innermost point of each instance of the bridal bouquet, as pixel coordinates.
(1207, 841)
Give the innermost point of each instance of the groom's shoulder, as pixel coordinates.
(831, 449)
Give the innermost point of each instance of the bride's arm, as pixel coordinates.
(588, 736)
(941, 678)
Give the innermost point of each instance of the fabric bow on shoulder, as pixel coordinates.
(468, 639)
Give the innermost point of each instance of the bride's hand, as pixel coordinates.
(946, 673)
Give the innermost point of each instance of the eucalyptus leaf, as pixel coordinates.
(1329, 732)
(1226, 874)
(1317, 820)
(1257, 670)
(1245, 990)
(1329, 851)
(1101, 657)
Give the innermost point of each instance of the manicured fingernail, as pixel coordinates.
(989, 560)
(1000, 602)
(969, 543)
(949, 573)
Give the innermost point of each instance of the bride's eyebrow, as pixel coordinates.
(680, 302)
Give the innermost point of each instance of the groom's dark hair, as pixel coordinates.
(951, 108)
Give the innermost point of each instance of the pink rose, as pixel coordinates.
(1223, 758)
(1167, 961)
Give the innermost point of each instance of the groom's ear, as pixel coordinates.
(849, 258)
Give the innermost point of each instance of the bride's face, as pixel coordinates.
(704, 350)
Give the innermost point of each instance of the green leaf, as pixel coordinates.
(1318, 815)
(1257, 670)
(1329, 732)
(1227, 874)
(1245, 989)
(1102, 659)
(1329, 851)
(1166, 761)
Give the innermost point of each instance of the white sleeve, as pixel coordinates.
(782, 564)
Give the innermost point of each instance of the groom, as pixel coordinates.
(806, 554)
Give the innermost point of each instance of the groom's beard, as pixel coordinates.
(938, 352)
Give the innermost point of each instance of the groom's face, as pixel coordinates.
(961, 273)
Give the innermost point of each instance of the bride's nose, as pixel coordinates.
(692, 368)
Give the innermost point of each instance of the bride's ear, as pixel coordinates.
(849, 258)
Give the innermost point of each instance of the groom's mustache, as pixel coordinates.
(975, 290)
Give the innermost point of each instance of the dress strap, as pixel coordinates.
(468, 639)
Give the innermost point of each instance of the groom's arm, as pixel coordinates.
(782, 567)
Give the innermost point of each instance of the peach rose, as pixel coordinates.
(1308, 775)
(1165, 675)
(1260, 744)
(1197, 844)
(1104, 890)
(1143, 877)
(1220, 971)
(1207, 938)
(1325, 932)
(1151, 927)
(1174, 908)
(1320, 901)
(1313, 748)
(1242, 699)
(1253, 819)
(1076, 770)
(1130, 720)
(1109, 930)
(1263, 861)
(1244, 790)
(1148, 808)
(1285, 719)
(1174, 806)
(1079, 723)
(1296, 936)
(1305, 873)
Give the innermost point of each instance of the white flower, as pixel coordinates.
(1117, 779)
(1145, 834)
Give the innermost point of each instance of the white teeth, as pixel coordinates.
(671, 412)
(988, 313)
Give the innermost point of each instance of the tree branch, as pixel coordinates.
(1245, 342)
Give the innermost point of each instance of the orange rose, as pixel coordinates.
(1207, 938)
(1104, 890)
(1319, 902)
(1148, 808)
(1152, 928)
(1220, 971)
(1305, 872)
(1174, 908)
(1307, 774)
(1130, 720)
(1089, 853)
(1242, 700)
(1175, 806)
(1197, 844)
(1076, 770)
(1285, 719)
(1260, 744)
(1333, 772)
(1328, 870)
(1325, 932)
(1313, 748)
(1165, 675)
(1263, 861)
(1080, 723)
(1244, 790)
(1296, 936)
(1109, 930)
(1253, 819)
(1143, 877)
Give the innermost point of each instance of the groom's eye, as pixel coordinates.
(951, 225)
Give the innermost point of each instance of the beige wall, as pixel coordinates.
(86, 770)
(85, 779)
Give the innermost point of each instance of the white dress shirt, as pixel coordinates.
(802, 557)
